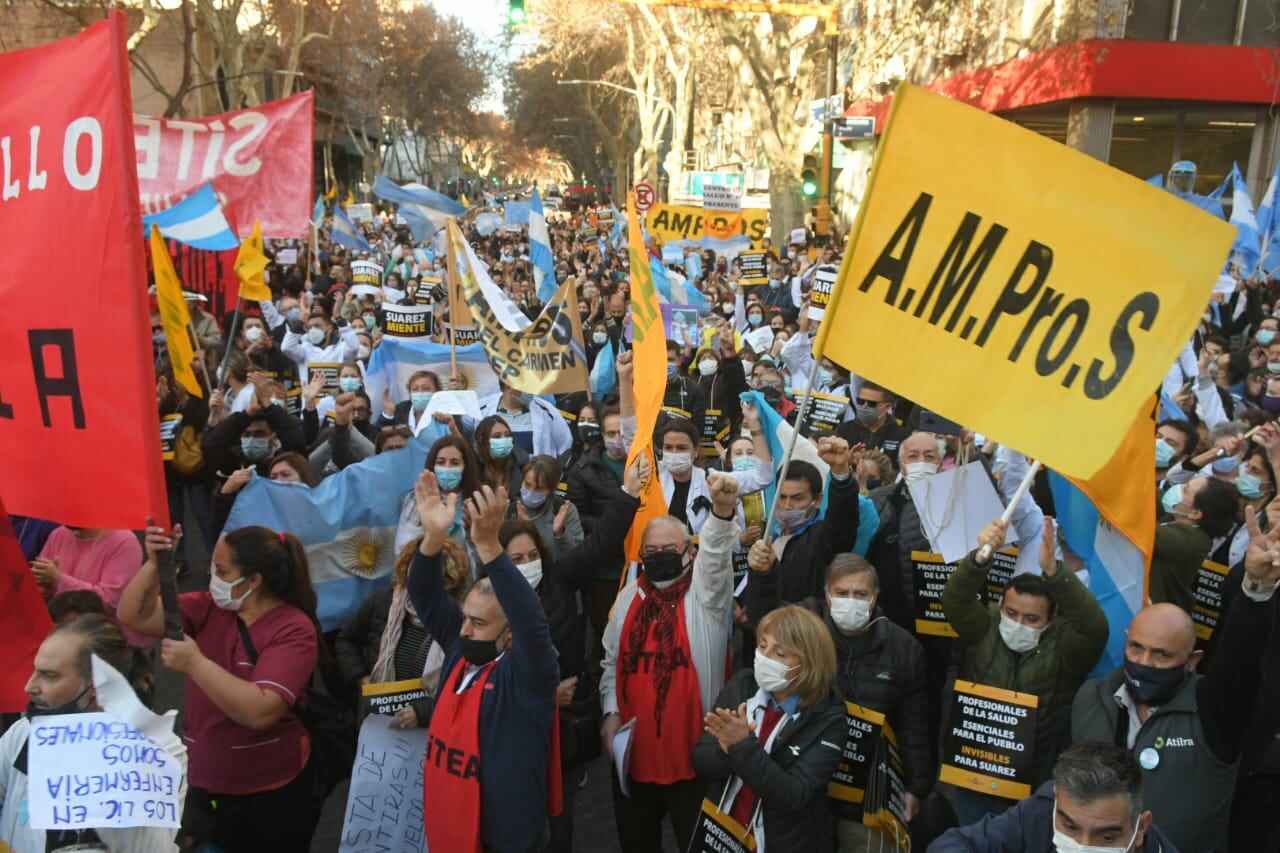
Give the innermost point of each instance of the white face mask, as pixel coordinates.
(221, 592)
(1019, 637)
(919, 470)
(532, 572)
(708, 367)
(1066, 844)
(316, 335)
(678, 463)
(771, 675)
(850, 614)
(252, 334)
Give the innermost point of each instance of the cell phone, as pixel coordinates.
(937, 424)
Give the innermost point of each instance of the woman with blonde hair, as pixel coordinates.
(776, 736)
(385, 641)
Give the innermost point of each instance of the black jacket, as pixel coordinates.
(356, 646)
(195, 414)
(722, 392)
(222, 454)
(591, 485)
(882, 669)
(791, 780)
(683, 393)
(802, 570)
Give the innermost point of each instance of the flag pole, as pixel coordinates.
(195, 340)
(231, 341)
(795, 435)
(984, 553)
(451, 267)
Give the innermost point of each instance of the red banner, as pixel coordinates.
(79, 429)
(26, 620)
(259, 160)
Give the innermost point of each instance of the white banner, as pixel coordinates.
(384, 805)
(721, 198)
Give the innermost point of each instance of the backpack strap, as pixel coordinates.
(247, 641)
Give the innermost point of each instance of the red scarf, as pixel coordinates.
(656, 675)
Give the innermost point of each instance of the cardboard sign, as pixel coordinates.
(389, 697)
(755, 269)
(824, 284)
(408, 322)
(384, 805)
(170, 426)
(1208, 592)
(1071, 292)
(366, 273)
(931, 576)
(330, 370)
(988, 743)
(721, 198)
(824, 413)
(847, 789)
(93, 770)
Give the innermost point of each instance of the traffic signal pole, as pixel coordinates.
(822, 221)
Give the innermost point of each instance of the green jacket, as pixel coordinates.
(1053, 670)
(1180, 549)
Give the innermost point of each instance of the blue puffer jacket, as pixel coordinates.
(1028, 827)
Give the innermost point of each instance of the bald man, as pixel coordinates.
(1186, 730)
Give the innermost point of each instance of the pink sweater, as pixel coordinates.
(103, 565)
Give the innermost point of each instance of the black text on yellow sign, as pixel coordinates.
(988, 742)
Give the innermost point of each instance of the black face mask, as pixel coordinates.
(588, 433)
(1152, 685)
(663, 566)
(479, 652)
(70, 707)
(772, 396)
(873, 483)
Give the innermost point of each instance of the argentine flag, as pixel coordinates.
(423, 209)
(393, 361)
(604, 373)
(345, 233)
(544, 271)
(347, 524)
(1246, 249)
(675, 289)
(197, 221)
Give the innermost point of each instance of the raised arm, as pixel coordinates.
(438, 612)
(960, 599)
(139, 607)
(713, 567)
(1084, 634)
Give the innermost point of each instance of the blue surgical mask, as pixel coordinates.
(744, 463)
(532, 499)
(775, 283)
(1226, 464)
(671, 371)
(791, 519)
(294, 313)
(158, 339)
(349, 383)
(448, 478)
(500, 448)
(1249, 486)
(255, 449)
(420, 400)
(1265, 336)
(755, 319)
(1164, 453)
(825, 377)
(1171, 498)
(370, 322)
(526, 397)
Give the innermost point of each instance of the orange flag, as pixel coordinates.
(649, 377)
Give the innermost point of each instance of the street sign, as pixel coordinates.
(645, 196)
(821, 108)
(855, 127)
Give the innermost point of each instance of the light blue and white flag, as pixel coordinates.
(1116, 567)
(675, 289)
(516, 212)
(424, 210)
(347, 524)
(693, 263)
(487, 223)
(1269, 228)
(777, 434)
(394, 361)
(197, 221)
(604, 373)
(544, 269)
(317, 212)
(345, 233)
(1247, 247)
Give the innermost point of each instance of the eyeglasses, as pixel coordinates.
(665, 549)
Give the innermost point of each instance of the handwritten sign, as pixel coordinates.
(384, 805)
(93, 770)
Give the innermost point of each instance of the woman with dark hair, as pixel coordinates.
(292, 467)
(557, 580)
(251, 644)
(501, 462)
(555, 518)
(457, 470)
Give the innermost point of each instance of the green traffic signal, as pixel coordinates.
(808, 183)
(516, 14)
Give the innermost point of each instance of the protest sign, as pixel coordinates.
(715, 428)
(464, 403)
(727, 199)
(930, 575)
(464, 335)
(287, 257)
(885, 807)
(824, 283)
(684, 326)
(359, 212)
(389, 697)
(384, 804)
(668, 222)
(754, 268)
(717, 832)
(1208, 599)
(954, 508)
(988, 744)
(93, 770)
(665, 309)
(367, 273)
(848, 786)
(760, 340)
(330, 370)
(1071, 291)
(76, 369)
(824, 413)
(407, 322)
(258, 159)
(798, 237)
(545, 357)
(170, 425)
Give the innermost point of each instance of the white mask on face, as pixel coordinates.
(222, 595)
(919, 470)
(252, 334)
(532, 572)
(1066, 844)
(1018, 637)
(316, 335)
(850, 614)
(678, 463)
(771, 675)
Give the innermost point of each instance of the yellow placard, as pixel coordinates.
(670, 222)
(1064, 285)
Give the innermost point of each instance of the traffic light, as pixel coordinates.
(809, 178)
(516, 14)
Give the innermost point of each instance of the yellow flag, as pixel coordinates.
(351, 199)
(249, 265)
(463, 198)
(649, 376)
(331, 194)
(173, 314)
(1016, 286)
